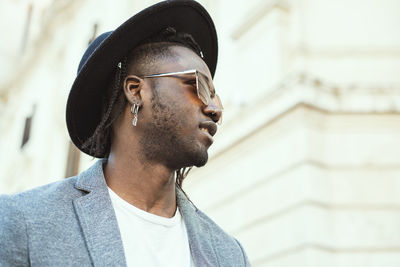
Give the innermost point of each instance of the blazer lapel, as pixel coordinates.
(199, 235)
(97, 219)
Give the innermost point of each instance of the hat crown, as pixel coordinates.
(92, 48)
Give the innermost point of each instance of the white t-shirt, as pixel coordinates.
(150, 240)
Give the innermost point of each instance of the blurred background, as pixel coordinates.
(304, 171)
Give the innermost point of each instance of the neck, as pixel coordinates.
(147, 186)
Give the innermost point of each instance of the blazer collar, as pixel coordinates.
(97, 218)
(199, 233)
(92, 178)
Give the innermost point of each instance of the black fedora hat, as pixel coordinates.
(103, 55)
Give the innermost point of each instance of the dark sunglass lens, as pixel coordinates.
(203, 91)
(218, 102)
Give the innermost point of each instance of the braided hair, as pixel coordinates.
(114, 101)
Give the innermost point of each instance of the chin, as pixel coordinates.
(201, 161)
(200, 158)
(194, 157)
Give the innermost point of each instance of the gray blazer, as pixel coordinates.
(72, 223)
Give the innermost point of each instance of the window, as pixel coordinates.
(27, 131)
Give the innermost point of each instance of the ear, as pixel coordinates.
(132, 87)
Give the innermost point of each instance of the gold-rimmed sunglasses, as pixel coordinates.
(204, 86)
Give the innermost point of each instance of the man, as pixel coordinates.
(144, 102)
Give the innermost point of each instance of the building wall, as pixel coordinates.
(304, 169)
(38, 81)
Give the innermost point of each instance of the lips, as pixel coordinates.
(209, 127)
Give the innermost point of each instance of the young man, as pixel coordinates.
(144, 102)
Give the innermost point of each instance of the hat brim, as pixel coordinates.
(85, 98)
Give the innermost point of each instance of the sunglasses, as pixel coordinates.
(204, 86)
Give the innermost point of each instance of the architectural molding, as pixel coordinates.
(303, 90)
(55, 16)
(248, 190)
(259, 11)
(393, 207)
(336, 52)
(323, 248)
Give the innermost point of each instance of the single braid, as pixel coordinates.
(99, 143)
(119, 92)
(180, 175)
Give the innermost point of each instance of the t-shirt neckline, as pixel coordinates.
(144, 215)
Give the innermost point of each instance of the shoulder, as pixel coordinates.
(228, 247)
(40, 192)
(13, 234)
(39, 199)
(18, 211)
(207, 234)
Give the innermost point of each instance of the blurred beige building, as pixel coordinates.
(305, 170)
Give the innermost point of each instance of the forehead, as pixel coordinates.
(184, 59)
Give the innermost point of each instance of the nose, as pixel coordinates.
(213, 111)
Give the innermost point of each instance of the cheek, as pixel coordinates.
(179, 107)
(184, 113)
(166, 112)
(191, 106)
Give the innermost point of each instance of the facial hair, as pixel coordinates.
(164, 140)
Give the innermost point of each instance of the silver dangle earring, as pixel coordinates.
(134, 111)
